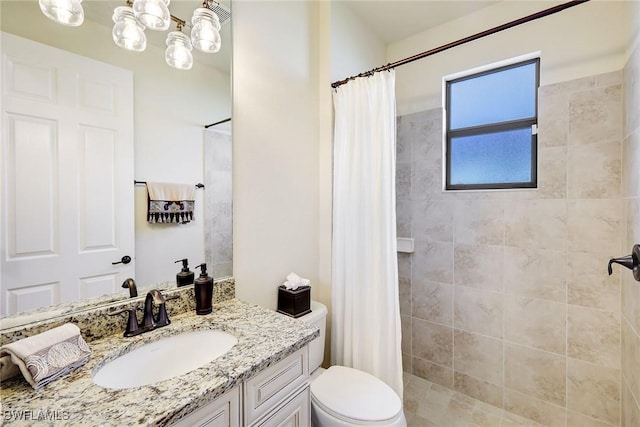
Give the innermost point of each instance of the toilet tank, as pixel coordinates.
(317, 317)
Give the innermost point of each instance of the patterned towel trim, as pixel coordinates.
(58, 360)
(163, 211)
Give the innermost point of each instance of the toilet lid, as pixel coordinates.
(356, 395)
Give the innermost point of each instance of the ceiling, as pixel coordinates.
(390, 20)
(102, 11)
(399, 19)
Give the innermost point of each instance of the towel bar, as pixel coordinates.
(198, 185)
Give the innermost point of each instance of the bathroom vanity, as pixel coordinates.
(278, 395)
(263, 380)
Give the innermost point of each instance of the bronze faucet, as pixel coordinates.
(153, 297)
(149, 321)
(131, 284)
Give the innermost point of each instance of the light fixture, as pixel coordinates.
(153, 14)
(127, 32)
(205, 35)
(130, 22)
(178, 54)
(65, 12)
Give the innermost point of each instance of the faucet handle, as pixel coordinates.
(163, 318)
(132, 322)
(632, 262)
(154, 296)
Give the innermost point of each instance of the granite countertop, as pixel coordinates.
(264, 337)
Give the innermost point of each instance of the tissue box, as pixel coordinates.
(294, 303)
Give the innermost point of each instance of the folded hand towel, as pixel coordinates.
(7, 368)
(170, 202)
(294, 281)
(47, 356)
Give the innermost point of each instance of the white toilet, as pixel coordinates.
(341, 396)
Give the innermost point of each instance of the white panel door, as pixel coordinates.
(67, 176)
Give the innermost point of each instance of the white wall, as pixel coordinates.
(585, 40)
(171, 108)
(633, 26)
(286, 53)
(354, 47)
(275, 143)
(325, 162)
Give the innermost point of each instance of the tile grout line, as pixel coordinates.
(503, 340)
(623, 210)
(622, 238)
(566, 337)
(453, 293)
(635, 399)
(566, 274)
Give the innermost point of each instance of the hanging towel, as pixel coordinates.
(170, 202)
(48, 356)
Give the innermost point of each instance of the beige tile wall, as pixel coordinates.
(506, 297)
(631, 234)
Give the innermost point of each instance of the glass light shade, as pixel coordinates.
(153, 14)
(205, 35)
(127, 32)
(178, 54)
(65, 12)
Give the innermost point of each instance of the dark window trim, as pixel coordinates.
(493, 127)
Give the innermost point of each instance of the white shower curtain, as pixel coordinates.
(366, 332)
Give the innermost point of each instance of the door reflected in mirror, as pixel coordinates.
(168, 144)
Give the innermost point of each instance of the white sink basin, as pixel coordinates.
(163, 359)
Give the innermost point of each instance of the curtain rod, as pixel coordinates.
(218, 123)
(462, 41)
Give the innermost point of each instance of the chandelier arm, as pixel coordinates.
(180, 22)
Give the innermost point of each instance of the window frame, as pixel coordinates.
(531, 122)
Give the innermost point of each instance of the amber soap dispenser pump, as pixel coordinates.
(203, 288)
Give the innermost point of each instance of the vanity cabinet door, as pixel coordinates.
(267, 389)
(222, 412)
(295, 413)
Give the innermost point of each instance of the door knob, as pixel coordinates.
(124, 260)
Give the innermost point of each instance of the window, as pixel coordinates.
(491, 127)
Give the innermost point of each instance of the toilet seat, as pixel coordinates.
(355, 397)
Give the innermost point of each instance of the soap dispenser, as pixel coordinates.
(184, 277)
(204, 291)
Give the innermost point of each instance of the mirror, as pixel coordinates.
(171, 108)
